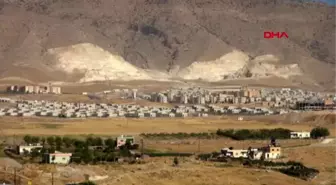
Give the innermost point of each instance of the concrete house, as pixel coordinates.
(272, 152)
(121, 140)
(299, 135)
(28, 148)
(234, 153)
(58, 158)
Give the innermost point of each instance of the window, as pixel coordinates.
(272, 150)
(278, 149)
(63, 158)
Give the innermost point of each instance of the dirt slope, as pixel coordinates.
(162, 34)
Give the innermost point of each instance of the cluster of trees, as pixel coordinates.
(243, 134)
(90, 150)
(319, 132)
(238, 134)
(179, 135)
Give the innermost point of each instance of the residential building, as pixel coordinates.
(299, 135)
(234, 153)
(27, 148)
(58, 158)
(272, 152)
(122, 140)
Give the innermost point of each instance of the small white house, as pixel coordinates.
(121, 140)
(58, 158)
(299, 135)
(234, 153)
(28, 148)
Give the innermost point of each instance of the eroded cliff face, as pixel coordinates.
(165, 35)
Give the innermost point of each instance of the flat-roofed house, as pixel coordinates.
(27, 148)
(58, 158)
(299, 135)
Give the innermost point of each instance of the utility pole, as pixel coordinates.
(52, 178)
(14, 176)
(199, 145)
(142, 147)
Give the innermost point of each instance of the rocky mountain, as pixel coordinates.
(168, 36)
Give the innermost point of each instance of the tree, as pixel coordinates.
(27, 139)
(51, 141)
(110, 143)
(79, 144)
(35, 139)
(58, 141)
(43, 140)
(175, 161)
(67, 141)
(87, 155)
(319, 132)
(98, 141)
(90, 141)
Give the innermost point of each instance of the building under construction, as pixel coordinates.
(316, 105)
(34, 89)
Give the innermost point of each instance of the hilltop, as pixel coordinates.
(169, 36)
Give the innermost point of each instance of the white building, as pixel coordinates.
(58, 158)
(234, 153)
(27, 148)
(299, 135)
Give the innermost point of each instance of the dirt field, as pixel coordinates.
(159, 171)
(116, 126)
(212, 145)
(319, 157)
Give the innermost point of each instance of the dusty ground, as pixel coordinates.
(319, 157)
(206, 145)
(116, 126)
(159, 170)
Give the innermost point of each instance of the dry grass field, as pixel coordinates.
(116, 126)
(159, 171)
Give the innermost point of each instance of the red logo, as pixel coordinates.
(271, 35)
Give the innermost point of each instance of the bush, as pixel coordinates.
(319, 132)
(243, 134)
(176, 161)
(87, 183)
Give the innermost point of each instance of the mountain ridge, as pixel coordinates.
(168, 34)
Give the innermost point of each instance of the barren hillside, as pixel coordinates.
(166, 35)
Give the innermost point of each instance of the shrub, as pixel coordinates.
(27, 139)
(319, 132)
(87, 183)
(176, 161)
(243, 134)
